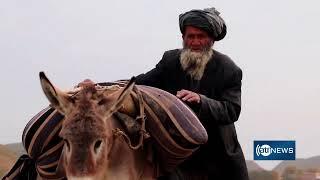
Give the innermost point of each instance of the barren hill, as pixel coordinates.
(7, 159)
(253, 166)
(17, 148)
(308, 163)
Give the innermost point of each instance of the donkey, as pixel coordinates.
(92, 150)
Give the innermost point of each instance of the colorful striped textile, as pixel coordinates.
(176, 130)
(43, 145)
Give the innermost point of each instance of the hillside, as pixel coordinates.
(17, 148)
(7, 159)
(308, 163)
(253, 166)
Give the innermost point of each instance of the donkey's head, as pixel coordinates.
(87, 127)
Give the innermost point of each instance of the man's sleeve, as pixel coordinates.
(226, 109)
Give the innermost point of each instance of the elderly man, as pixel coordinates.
(210, 83)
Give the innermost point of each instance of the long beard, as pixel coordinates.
(194, 63)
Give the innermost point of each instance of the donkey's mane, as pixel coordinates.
(84, 97)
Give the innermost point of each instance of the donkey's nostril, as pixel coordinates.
(97, 145)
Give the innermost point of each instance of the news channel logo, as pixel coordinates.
(274, 150)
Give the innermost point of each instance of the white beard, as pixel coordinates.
(194, 63)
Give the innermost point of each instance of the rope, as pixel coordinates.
(141, 119)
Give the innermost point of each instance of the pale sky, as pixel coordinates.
(275, 42)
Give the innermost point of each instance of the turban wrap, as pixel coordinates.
(207, 20)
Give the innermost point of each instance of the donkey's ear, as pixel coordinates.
(121, 97)
(58, 99)
(126, 90)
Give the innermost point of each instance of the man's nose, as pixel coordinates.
(196, 42)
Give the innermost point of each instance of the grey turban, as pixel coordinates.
(207, 20)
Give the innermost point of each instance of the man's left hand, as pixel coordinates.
(186, 95)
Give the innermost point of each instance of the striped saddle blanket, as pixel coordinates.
(175, 130)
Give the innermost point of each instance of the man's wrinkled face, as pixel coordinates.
(196, 40)
(197, 51)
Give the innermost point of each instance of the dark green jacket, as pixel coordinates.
(220, 91)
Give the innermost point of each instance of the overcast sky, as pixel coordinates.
(275, 42)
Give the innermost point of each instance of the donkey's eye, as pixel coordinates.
(97, 145)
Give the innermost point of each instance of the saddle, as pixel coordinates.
(175, 132)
